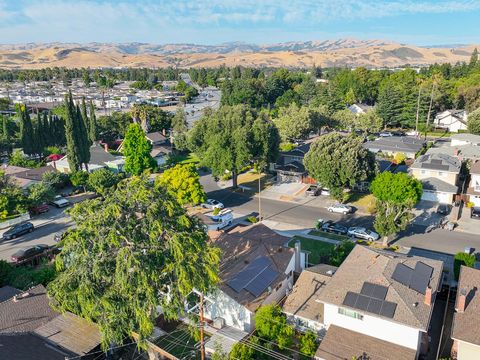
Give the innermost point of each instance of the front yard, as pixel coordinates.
(319, 250)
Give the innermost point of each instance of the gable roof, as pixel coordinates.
(458, 114)
(34, 174)
(466, 325)
(364, 264)
(240, 247)
(340, 343)
(471, 138)
(466, 151)
(395, 144)
(437, 185)
(437, 161)
(156, 136)
(302, 301)
(99, 156)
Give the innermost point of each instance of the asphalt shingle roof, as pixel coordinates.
(7, 292)
(434, 184)
(437, 161)
(395, 144)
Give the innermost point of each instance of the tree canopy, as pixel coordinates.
(102, 180)
(183, 183)
(338, 162)
(136, 149)
(473, 122)
(294, 122)
(129, 254)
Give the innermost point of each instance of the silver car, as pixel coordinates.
(340, 208)
(212, 204)
(363, 233)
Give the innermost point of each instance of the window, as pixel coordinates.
(350, 313)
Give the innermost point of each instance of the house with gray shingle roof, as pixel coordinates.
(377, 298)
(396, 145)
(439, 175)
(466, 321)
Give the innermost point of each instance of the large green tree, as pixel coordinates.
(12, 197)
(129, 255)
(473, 122)
(229, 138)
(136, 149)
(271, 324)
(102, 180)
(396, 195)
(338, 162)
(92, 127)
(27, 134)
(294, 122)
(179, 128)
(369, 122)
(183, 183)
(40, 193)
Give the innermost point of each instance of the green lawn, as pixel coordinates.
(328, 235)
(183, 159)
(317, 248)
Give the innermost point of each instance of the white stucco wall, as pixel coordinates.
(374, 326)
(467, 351)
(231, 311)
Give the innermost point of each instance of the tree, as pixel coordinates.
(240, 351)
(82, 139)
(12, 197)
(294, 122)
(462, 259)
(101, 181)
(308, 343)
(369, 122)
(85, 119)
(179, 128)
(345, 119)
(183, 183)
(338, 162)
(17, 158)
(340, 252)
(473, 122)
(40, 193)
(272, 325)
(130, 254)
(136, 149)
(27, 136)
(225, 140)
(473, 59)
(92, 127)
(395, 194)
(73, 151)
(79, 178)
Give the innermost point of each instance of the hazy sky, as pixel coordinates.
(421, 22)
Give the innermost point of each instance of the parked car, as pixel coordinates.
(59, 201)
(443, 209)
(40, 209)
(363, 233)
(385, 134)
(475, 212)
(340, 208)
(313, 190)
(212, 204)
(28, 253)
(331, 227)
(18, 230)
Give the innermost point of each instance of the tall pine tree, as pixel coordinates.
(39, 140)
(26, 132)
(82, 138)
(70, 135)
(86, 121)
(92, 129)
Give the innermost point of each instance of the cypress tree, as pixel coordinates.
(39, 140)
(86, 121)
(82, 138)
(72, 147)
(49, 139)
(92, 129)
(26, 132)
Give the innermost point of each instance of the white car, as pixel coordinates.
(386, 134)
(340, 208)
(59, 201)
(212, 204)
(362, 233)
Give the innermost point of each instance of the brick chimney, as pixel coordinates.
(428, 296)
(461, 302)
(105, 146)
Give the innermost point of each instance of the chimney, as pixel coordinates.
(164, 132)
(428, 296)
(461, 302)
(457, 151)
(105, 146)
(298, 257)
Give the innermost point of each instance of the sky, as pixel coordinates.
(421, 22)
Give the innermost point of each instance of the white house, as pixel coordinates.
(358, 109)
(376, 301)
(474, 189)
(451, 120)
(466, 321)
(256, 269)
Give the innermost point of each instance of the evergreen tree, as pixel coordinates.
(26, 132)
(70, 130)
(39, 139)
(92, 128)
(473, 59)
(85, 119)
(82, 139)
(5, 143)
(136, 149)
(49, 139)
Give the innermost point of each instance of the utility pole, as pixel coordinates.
(430, 107)
(418, 109)
(202, 343)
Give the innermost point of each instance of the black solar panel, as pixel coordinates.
(375, 306)
(362, 302)
(350, 299)
(434, 166)
(374, 290)
(421, 277)
(388, 309)
(402, 274)
(261, 282)
(367, 288)
(240, 280)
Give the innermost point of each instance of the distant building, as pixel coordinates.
(358, 109)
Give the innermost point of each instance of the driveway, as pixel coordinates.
(425, 213)
(468, 224)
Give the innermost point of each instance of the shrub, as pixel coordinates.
(252, 219)
(308, 343)
(216, 211)
(470, 204)
(464, 259)
(400, 158)
(287, 146)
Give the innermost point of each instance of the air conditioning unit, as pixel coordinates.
(218, 323)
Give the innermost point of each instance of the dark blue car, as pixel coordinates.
(18, 230)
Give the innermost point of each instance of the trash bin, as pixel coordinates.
(450, 226)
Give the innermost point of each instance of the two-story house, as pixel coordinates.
(466, 321)
(439, 175)
(255, 269)
(289, 167)
(161, 147)
(378, 305)
(451, 120)
(462, 146)
(473, 190)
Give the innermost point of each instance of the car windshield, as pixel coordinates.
(476, 210)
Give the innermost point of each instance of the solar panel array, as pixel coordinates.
(256, 277)
(434, 166)
(416, 279)
(370, 304)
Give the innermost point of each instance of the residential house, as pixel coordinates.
(302, 307)
(378, 304)
(25, 177)
(439, 174)
(100, 158)
(393, 145)
(289, 167)
(256, 269)
(451, 120)
(466, 321)
(462, 146)
(473, 190)
(358, 109)
(31, 329)
(161, 147)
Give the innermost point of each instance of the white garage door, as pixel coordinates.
(436, 196)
